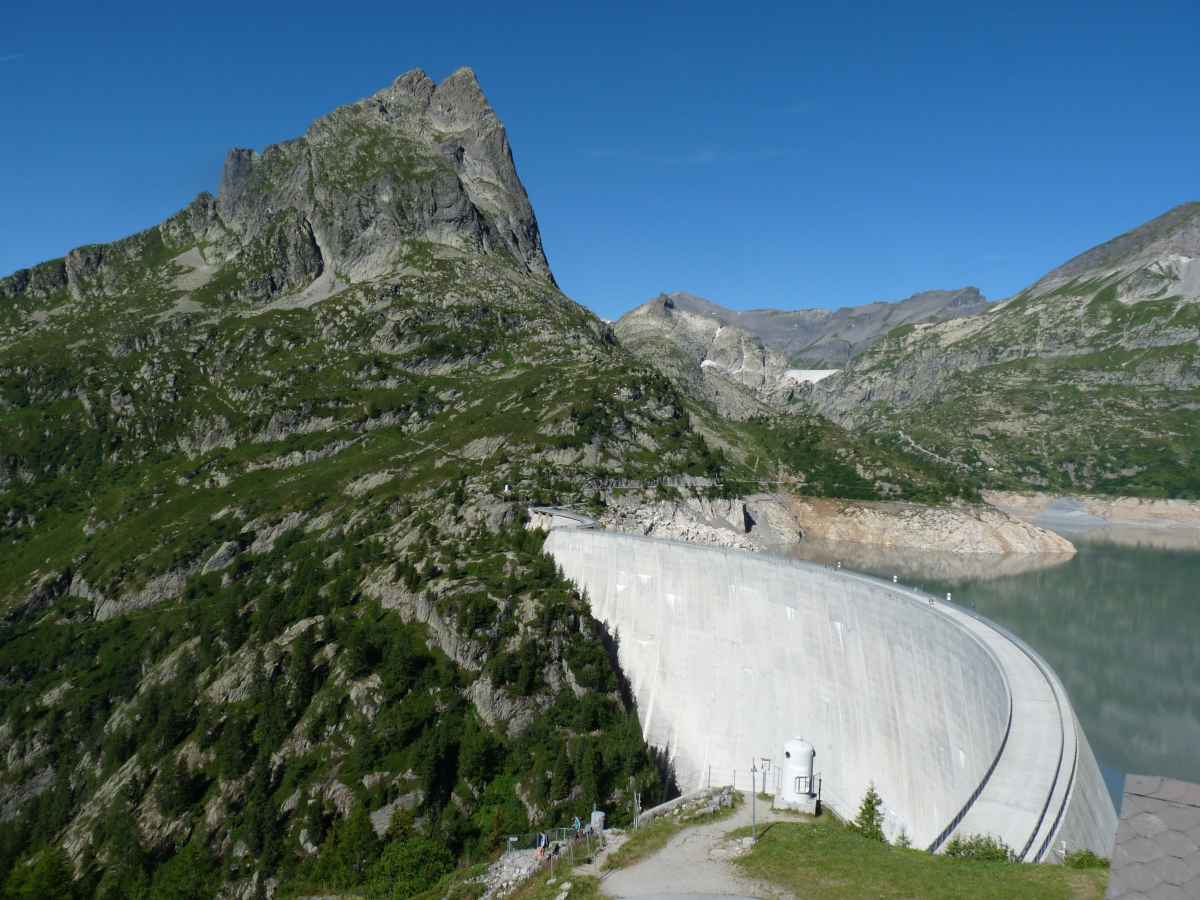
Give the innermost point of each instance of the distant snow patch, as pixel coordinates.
(809, 376)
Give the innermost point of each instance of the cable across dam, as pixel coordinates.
(962, 727)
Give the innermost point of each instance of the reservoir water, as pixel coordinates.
(1120, 624)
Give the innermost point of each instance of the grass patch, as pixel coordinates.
(644, 842)
(538, 886)
(827, 860)
(462, 884)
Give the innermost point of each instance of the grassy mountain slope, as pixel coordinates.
(262, 574)
(1088, 380)
(271, 620)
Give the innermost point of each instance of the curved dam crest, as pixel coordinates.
(961, 727)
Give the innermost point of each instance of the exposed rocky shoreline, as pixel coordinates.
(779, 521)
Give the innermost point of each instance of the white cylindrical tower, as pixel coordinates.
(798, 785)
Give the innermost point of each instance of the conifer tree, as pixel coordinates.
(869, 822)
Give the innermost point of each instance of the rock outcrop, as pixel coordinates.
(416, 161)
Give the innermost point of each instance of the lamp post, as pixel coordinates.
(753, 797)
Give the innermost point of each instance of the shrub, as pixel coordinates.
(982, 847)
(1085, 859)
(869, 822)
(408, 867)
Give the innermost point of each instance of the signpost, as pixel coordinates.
(753, 797)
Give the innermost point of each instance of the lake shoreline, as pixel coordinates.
(1133, 521)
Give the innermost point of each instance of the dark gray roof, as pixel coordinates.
(1157, 854)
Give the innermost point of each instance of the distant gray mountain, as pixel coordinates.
(692, 341)
(828, 338)
(740, 360)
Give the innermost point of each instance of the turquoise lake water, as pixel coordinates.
(1120, 624)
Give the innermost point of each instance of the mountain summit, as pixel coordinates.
(1158, 258)
(415, 161)
(416, 165)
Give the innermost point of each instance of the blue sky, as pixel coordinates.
(762, 156)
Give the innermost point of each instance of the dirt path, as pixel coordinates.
(696, 863)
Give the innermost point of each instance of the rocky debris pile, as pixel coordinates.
(509, 871)
(693, 520)
(758, 522)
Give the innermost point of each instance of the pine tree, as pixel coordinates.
(869, 822)
(171, 789)
(300, 671)
(48, 877)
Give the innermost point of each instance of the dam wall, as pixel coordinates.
(730, 653)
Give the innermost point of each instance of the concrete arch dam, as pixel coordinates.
(960, 725)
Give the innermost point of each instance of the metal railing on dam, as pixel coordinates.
(959, 724)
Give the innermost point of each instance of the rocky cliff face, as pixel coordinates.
(720, 362)
(1087, 380)
(416, 161)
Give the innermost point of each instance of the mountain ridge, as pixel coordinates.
(269, 615)
(1178, 229)
(1084, 381)
(822, 337)
(426, 162)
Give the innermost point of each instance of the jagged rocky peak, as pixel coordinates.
(1157, 259)
(415, 161)
(418, 163)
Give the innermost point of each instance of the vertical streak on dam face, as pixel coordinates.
(730, 654)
